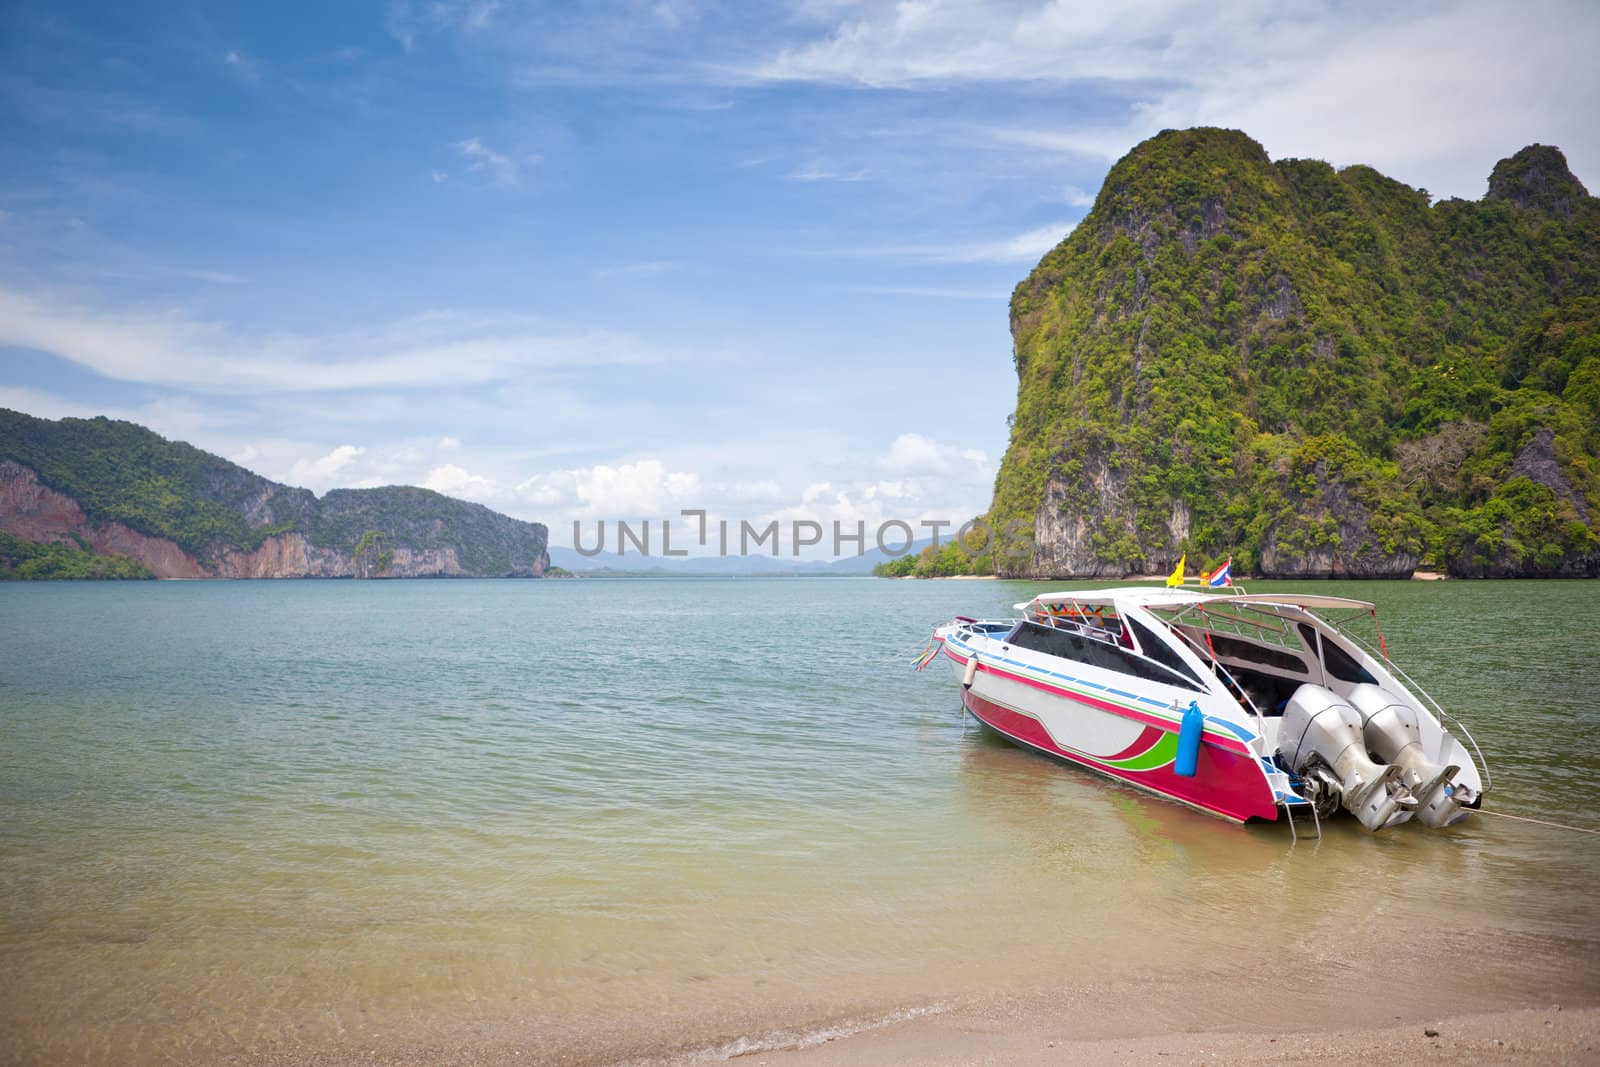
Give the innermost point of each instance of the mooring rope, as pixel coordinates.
(1541, 822)
(920, 652)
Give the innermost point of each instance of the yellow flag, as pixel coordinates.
(1176, 577)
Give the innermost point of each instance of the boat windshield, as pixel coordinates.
(1100, 647)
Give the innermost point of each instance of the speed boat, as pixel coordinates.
(1247, 706)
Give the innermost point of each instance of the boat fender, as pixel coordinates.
(972, 672)
(1194, 724)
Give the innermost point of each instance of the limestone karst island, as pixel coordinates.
(1317, 371)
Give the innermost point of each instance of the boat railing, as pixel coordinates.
(1093, 631)
(1217, 667)
(1438, 709)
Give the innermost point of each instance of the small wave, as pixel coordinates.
(787, 1040)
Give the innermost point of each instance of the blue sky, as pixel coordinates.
(614, 259)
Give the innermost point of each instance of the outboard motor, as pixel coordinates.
(1392, 735)
(1320, 739)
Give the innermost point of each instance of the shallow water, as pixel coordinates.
(597, 819)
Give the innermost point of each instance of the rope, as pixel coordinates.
(919, 651)
(1541, 822)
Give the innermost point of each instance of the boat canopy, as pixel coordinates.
(1163, 597)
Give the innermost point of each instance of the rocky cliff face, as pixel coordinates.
(34, 512)
(1232, 356)
(211, 519)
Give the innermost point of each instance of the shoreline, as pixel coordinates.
(968, 1039)
(1033, 1032)
(1492, 1008)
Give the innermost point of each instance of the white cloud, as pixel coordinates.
(241, 66)
(644, 268)
(453, 480)
(169, 347)
(916, 454)
(641, 488)
(1075, 197)
(819, 172)
(911, 42)
(1025, 247)
(498, 168)
(405, 20)
(321, 473)
(216, 277)
(449, 444)
(935, 292)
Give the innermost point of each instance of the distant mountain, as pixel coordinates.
(728, 566)
(1318, 372)
(109, 488)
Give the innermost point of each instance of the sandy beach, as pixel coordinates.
(1014, 1035)
(1368, 1010)
(960, 1039)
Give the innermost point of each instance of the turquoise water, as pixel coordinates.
(601, 819)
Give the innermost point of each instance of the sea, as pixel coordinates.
(683, 820)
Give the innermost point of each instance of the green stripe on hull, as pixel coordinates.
(1163, 752)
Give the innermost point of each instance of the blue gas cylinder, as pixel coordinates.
(1194, 724)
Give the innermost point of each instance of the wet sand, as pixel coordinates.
(1005, 1035)
(1362, 1011)
(965, 1040)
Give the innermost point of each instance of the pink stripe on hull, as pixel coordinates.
(1224, 783)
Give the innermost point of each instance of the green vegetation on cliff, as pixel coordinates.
(1314, 371)
(121, 472)
(30, 561)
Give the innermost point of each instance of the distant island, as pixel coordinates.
(1317, 372)
(97, 498)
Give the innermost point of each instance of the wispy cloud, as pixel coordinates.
(1024, 247)
(325, 470)
(216, 277)
(241, 66)
(498, 168)
(934, 292)
(1075, 197)
(73, 107)
(173, 348)
(818, 172)
(643, 269)
(406, 20)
